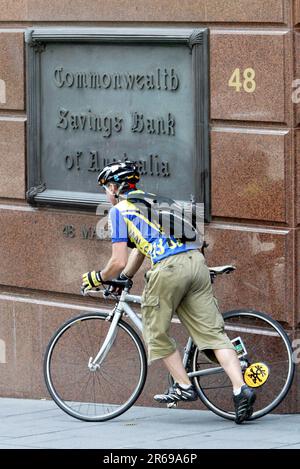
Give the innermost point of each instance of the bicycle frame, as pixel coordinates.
(121, 308)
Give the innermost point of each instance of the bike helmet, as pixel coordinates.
(123, 173)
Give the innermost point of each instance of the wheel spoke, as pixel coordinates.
(266, 342)
(106, 392)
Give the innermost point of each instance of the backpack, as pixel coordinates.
(171, 219)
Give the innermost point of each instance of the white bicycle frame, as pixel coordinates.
(121, 308)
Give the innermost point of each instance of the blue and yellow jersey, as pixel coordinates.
(128, 224)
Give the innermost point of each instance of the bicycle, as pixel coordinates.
(95, 365)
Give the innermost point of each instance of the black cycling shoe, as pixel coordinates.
(243, 404)
(176, 393)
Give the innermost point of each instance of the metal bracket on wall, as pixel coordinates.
(34, 191)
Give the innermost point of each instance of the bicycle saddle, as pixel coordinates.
(223, 269)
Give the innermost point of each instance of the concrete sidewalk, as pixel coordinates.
(41, 424)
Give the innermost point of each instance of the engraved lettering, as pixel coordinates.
(171, 125)
(84, 232)
(137, 122)
(74, 122)
(150, 82)
(78, 156)
(82, 118)
(106, 80)
(80, 80)
(59, 82)
(88, 232)
(117, 81)
(93, 79)
(156, 126)
(165, 169)
(69, 161)
(69, 231)
(107, 127)
(89, 121)
(174, 80)
(69, 79)
(166, 76)
(151, 166)
(94, 161)
(160, 79)
(63, 122)
(142, 167)
(118, 124)
(129, 81)
(150, 126)
(140, 81)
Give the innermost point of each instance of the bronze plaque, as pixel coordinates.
(100, 95)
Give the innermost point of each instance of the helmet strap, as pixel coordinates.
(117, 194)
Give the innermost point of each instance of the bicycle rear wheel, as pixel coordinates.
(266, 342)
(109, 391)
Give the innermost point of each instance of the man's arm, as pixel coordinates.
(134, 262)
(117, 262)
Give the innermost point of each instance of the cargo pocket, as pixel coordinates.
(219, 317)
(150, 301)
(149, 308)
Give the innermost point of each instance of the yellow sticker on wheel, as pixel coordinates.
(256, 375)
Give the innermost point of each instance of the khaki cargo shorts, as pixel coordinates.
(181, 284)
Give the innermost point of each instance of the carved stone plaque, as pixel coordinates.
(99, 95)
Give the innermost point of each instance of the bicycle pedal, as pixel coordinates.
(172, 405)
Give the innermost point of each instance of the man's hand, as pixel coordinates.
(118, 290)
(91, 280)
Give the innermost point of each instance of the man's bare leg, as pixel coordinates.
(227, 358)
(174, 364)
(229, 361)
(183, 390)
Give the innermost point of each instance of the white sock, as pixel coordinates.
(237, 391)
(184, 386)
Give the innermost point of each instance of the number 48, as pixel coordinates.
(248, 84)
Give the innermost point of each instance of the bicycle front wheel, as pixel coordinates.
(266, 342)
(108, 391)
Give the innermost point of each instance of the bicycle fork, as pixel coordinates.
(95, 363)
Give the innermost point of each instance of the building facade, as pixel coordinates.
(254, 51)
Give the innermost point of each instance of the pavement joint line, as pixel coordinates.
(15, 438)
(6, 444)
(61, 413)
(192, 434)
(46, 433)
(287, 445)
(26, 413)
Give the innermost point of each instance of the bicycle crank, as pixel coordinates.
(172, 405)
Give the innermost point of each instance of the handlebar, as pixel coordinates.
(106, 292)
(119, 283)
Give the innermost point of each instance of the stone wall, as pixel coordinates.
(255, 175)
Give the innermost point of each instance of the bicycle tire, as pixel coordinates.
(60, 373)
(273, 330)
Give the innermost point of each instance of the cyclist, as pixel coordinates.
(179, 281)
